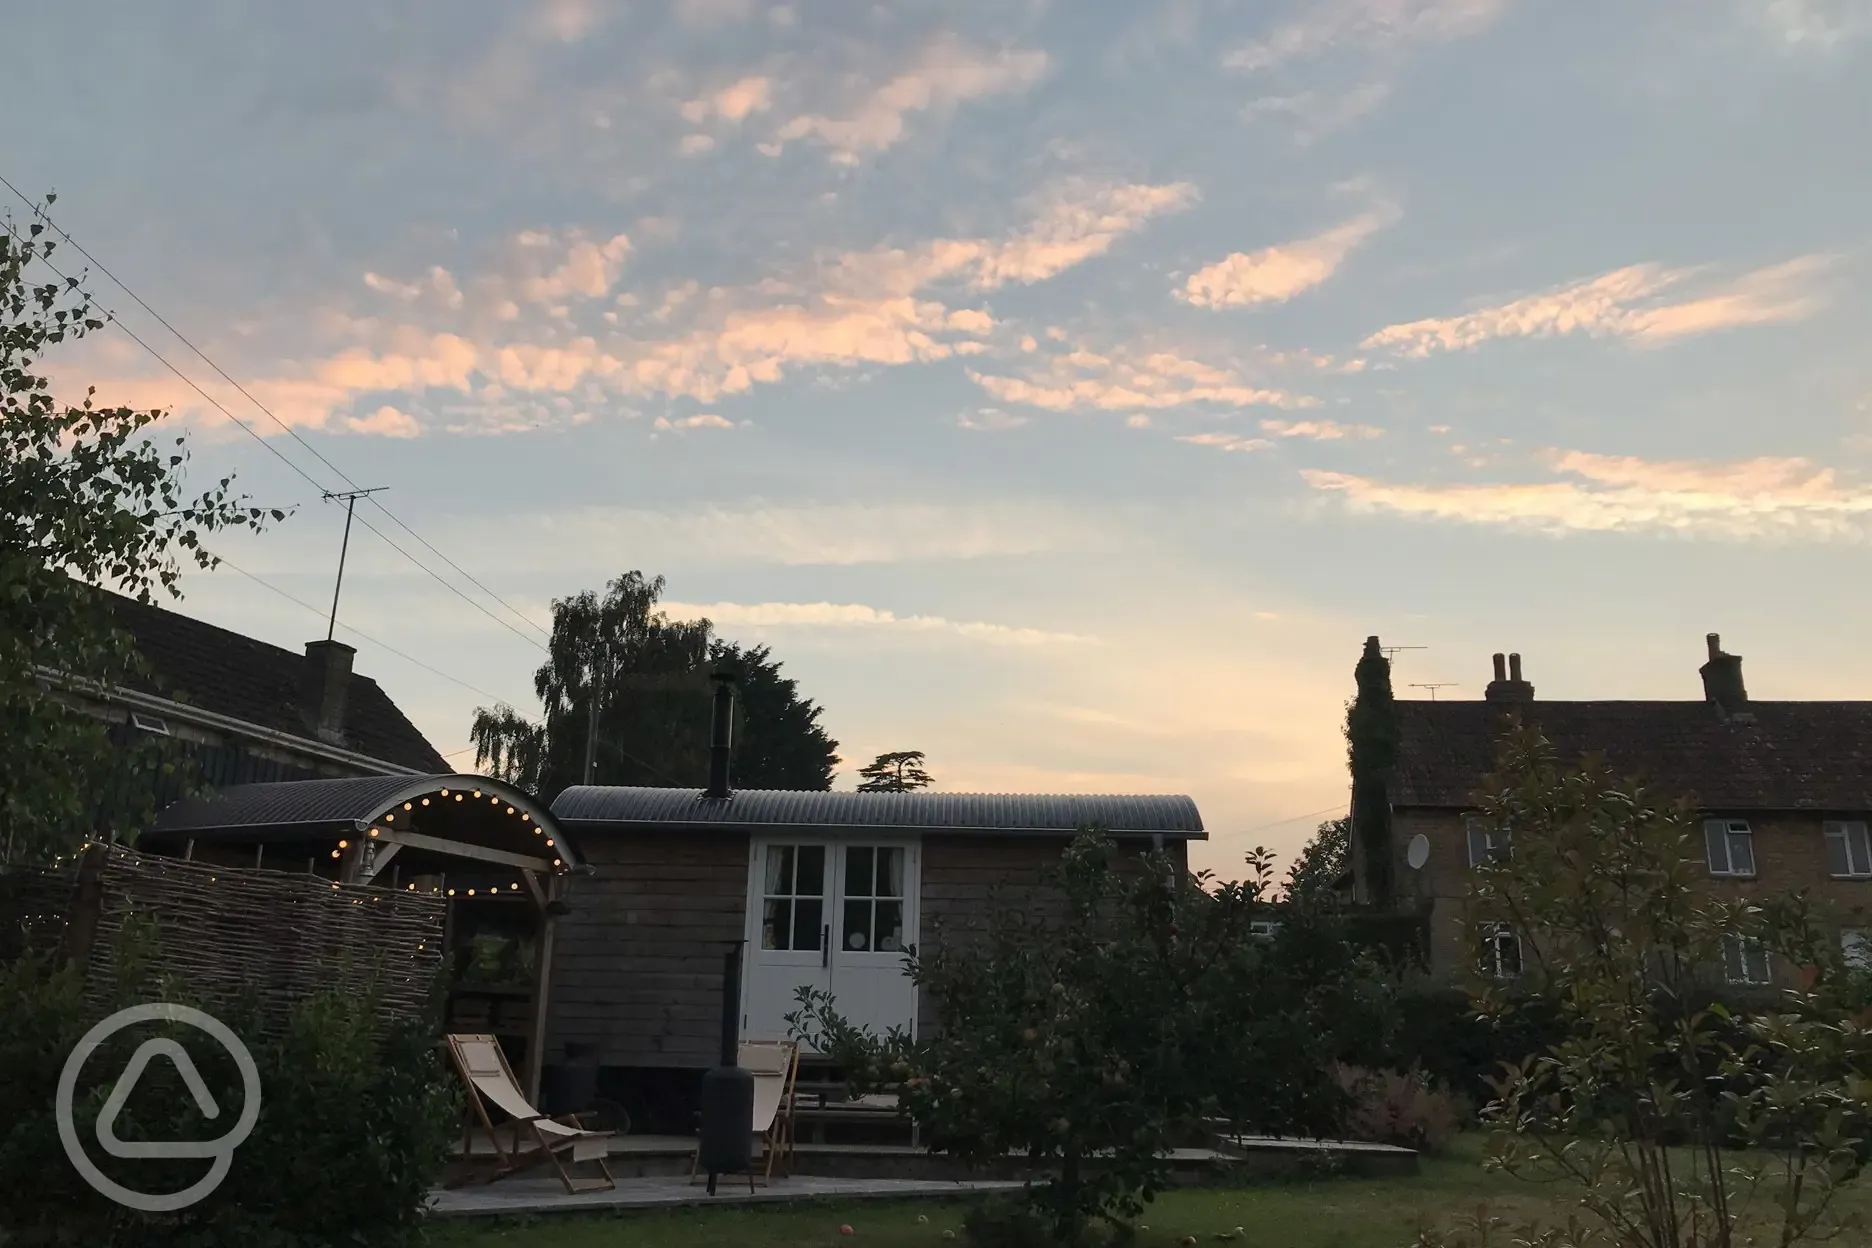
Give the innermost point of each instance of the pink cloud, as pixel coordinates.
(1276, 274)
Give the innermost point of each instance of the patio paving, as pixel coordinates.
(512, 1197)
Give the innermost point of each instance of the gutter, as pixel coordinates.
(225, 723)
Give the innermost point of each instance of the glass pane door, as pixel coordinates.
(873, 920)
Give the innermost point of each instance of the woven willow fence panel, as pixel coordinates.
(32, 908)
(271, 938)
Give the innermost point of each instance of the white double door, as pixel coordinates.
(834, 915)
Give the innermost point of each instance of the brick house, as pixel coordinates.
(1784, 789)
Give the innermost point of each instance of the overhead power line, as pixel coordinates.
(66, 237)
(363, 636)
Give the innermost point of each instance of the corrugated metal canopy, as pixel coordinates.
(601, 806)
(305, 807)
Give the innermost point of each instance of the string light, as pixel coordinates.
(444, 792)
(407, 806)
(477, 792)
(334, 853)
(389, 818)
(471, 892)
(373, 831)
(425, 801)
(451, 892)
(510, 810)
(344, 844)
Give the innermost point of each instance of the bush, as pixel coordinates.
(1402, 1108)
(1095, 1040)
(354, 1124)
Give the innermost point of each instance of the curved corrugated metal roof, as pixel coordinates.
(351, 802)
(595, 806)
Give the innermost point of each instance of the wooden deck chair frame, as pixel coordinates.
(777, 1137)
(537, 1139)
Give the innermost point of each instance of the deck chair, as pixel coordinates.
(775, 1067)
(535, 1138)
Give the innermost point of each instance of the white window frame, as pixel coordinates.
(1856, 948)
(1498, 938)
(1733, 834)
(1483, 844)
(1745, 961)
(1263, 929)
(1849, 837)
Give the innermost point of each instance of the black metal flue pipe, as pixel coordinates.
(727, 1144)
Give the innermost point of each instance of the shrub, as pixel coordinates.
(354, 1124)
(1402, 1108)
(1095, 1040)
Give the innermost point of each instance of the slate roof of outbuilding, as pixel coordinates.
(1784, 756)
(599, 806)
(230, 674)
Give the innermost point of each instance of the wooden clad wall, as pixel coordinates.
(968, 880)
(637, 968)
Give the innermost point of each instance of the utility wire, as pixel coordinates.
(434, 671)
(316, 484)
(1292, 819)
(39, 212)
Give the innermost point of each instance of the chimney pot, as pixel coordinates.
(324, 683)
(1715, 644)
(1508, 685)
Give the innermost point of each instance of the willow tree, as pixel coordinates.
(625, 696)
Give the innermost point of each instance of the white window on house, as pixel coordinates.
(1849, 852)
(874, 899)
(1501, 952)
(1730, 846)
(1856, 948)
(1262, 929)
(1487, 843)
(793, 897)
(1745, 960)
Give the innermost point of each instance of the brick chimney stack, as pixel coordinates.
(1508, 686)
(1722, 679)
(324, 682)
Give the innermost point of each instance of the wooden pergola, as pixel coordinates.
(486, 846)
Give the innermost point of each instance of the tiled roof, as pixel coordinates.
(237, 676)
(597, 806)
(1786, 756)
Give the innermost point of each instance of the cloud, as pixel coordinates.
(589, 269)
(854, 534)
(733, 103)
(702, 420)
(948, 73)
(1226, 441)
(1074, 224)
(386, 422)
(990, 419)
(1758, 497)
(854, 616)
(1811, 25)
(1276, 274)
(1625, 303)
(1148, 380)
(1314, 114)
(1319, 430)
(1370, 24)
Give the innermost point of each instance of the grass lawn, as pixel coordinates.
(1330, 1213)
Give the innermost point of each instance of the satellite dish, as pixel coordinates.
(1417, 852)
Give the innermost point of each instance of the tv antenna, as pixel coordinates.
(350, 498)
(1433, 686)
(1390, 652)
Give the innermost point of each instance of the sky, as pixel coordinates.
(1064, 388)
